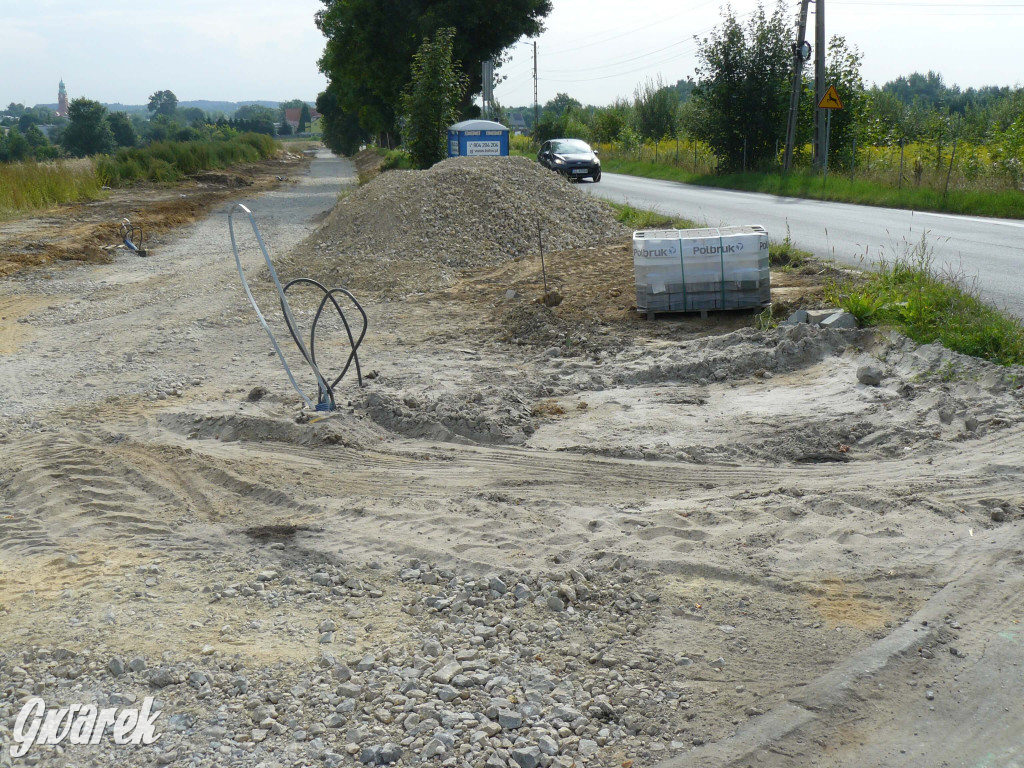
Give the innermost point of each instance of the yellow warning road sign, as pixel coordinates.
(831, 99)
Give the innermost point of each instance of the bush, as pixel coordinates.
(522, 145)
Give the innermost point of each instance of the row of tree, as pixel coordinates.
(376, 64)
(91, 129)
(370, 50)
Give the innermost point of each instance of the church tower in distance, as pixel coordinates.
(62, 100)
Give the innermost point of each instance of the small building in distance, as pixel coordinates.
(518, 124)
(291, 116)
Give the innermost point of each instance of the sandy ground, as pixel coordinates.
(752, 557)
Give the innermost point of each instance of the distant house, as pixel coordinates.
(291, 116)
(517, 123)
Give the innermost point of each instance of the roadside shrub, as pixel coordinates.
(521, 145)
(395, 159)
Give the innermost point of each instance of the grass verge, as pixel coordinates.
(643, 218)
(910, 294)
(395, 160)
(1004, 204)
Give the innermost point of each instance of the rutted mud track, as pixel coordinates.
(698, 523)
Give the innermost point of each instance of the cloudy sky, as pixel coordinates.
(595, 50)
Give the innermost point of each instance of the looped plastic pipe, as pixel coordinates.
(353, 356)
(324, 389)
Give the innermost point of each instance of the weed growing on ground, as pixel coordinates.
(643, 218)
(766, 320)
(787, 256)
(927, 304)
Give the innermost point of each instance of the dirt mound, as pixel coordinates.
(410, 231)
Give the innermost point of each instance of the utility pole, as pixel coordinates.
(819, 83)
(798, 81)
(487, 80)
(536, 105)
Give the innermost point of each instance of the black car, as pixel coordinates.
(570, 157)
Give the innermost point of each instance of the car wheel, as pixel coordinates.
(596, 177)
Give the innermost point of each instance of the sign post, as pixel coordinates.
(830, 101)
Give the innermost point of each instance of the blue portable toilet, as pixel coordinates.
(478, 138)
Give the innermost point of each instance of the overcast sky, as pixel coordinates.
(595, 50)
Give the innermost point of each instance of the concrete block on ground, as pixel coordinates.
(817, 316)
(800, 316)
(839, 320)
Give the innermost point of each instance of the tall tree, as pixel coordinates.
(371, 43)
(122, 129)
(561, 104)
(656, 107)
(342, 132)
(163, 103)
(257, 118)
(17, 148)
(609, 121)
(743, 92)
(304, 118)
(430, 103)
(842, 70)
(88, 132)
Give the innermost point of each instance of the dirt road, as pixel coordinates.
(679, 545)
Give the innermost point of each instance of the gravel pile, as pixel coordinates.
(409, 231)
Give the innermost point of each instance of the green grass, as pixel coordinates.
(1006, 203)
(26, 187)
(784, 255)
(642, 218)
(167, 161)
(395, 160)
(908, 293)
(36, 186)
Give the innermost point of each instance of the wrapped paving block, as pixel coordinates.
(701, 269)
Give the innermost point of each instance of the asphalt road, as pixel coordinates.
(992, 250)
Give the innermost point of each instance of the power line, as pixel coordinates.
(658, 23)
(625, 61)
(929, 5)
(690, 42)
